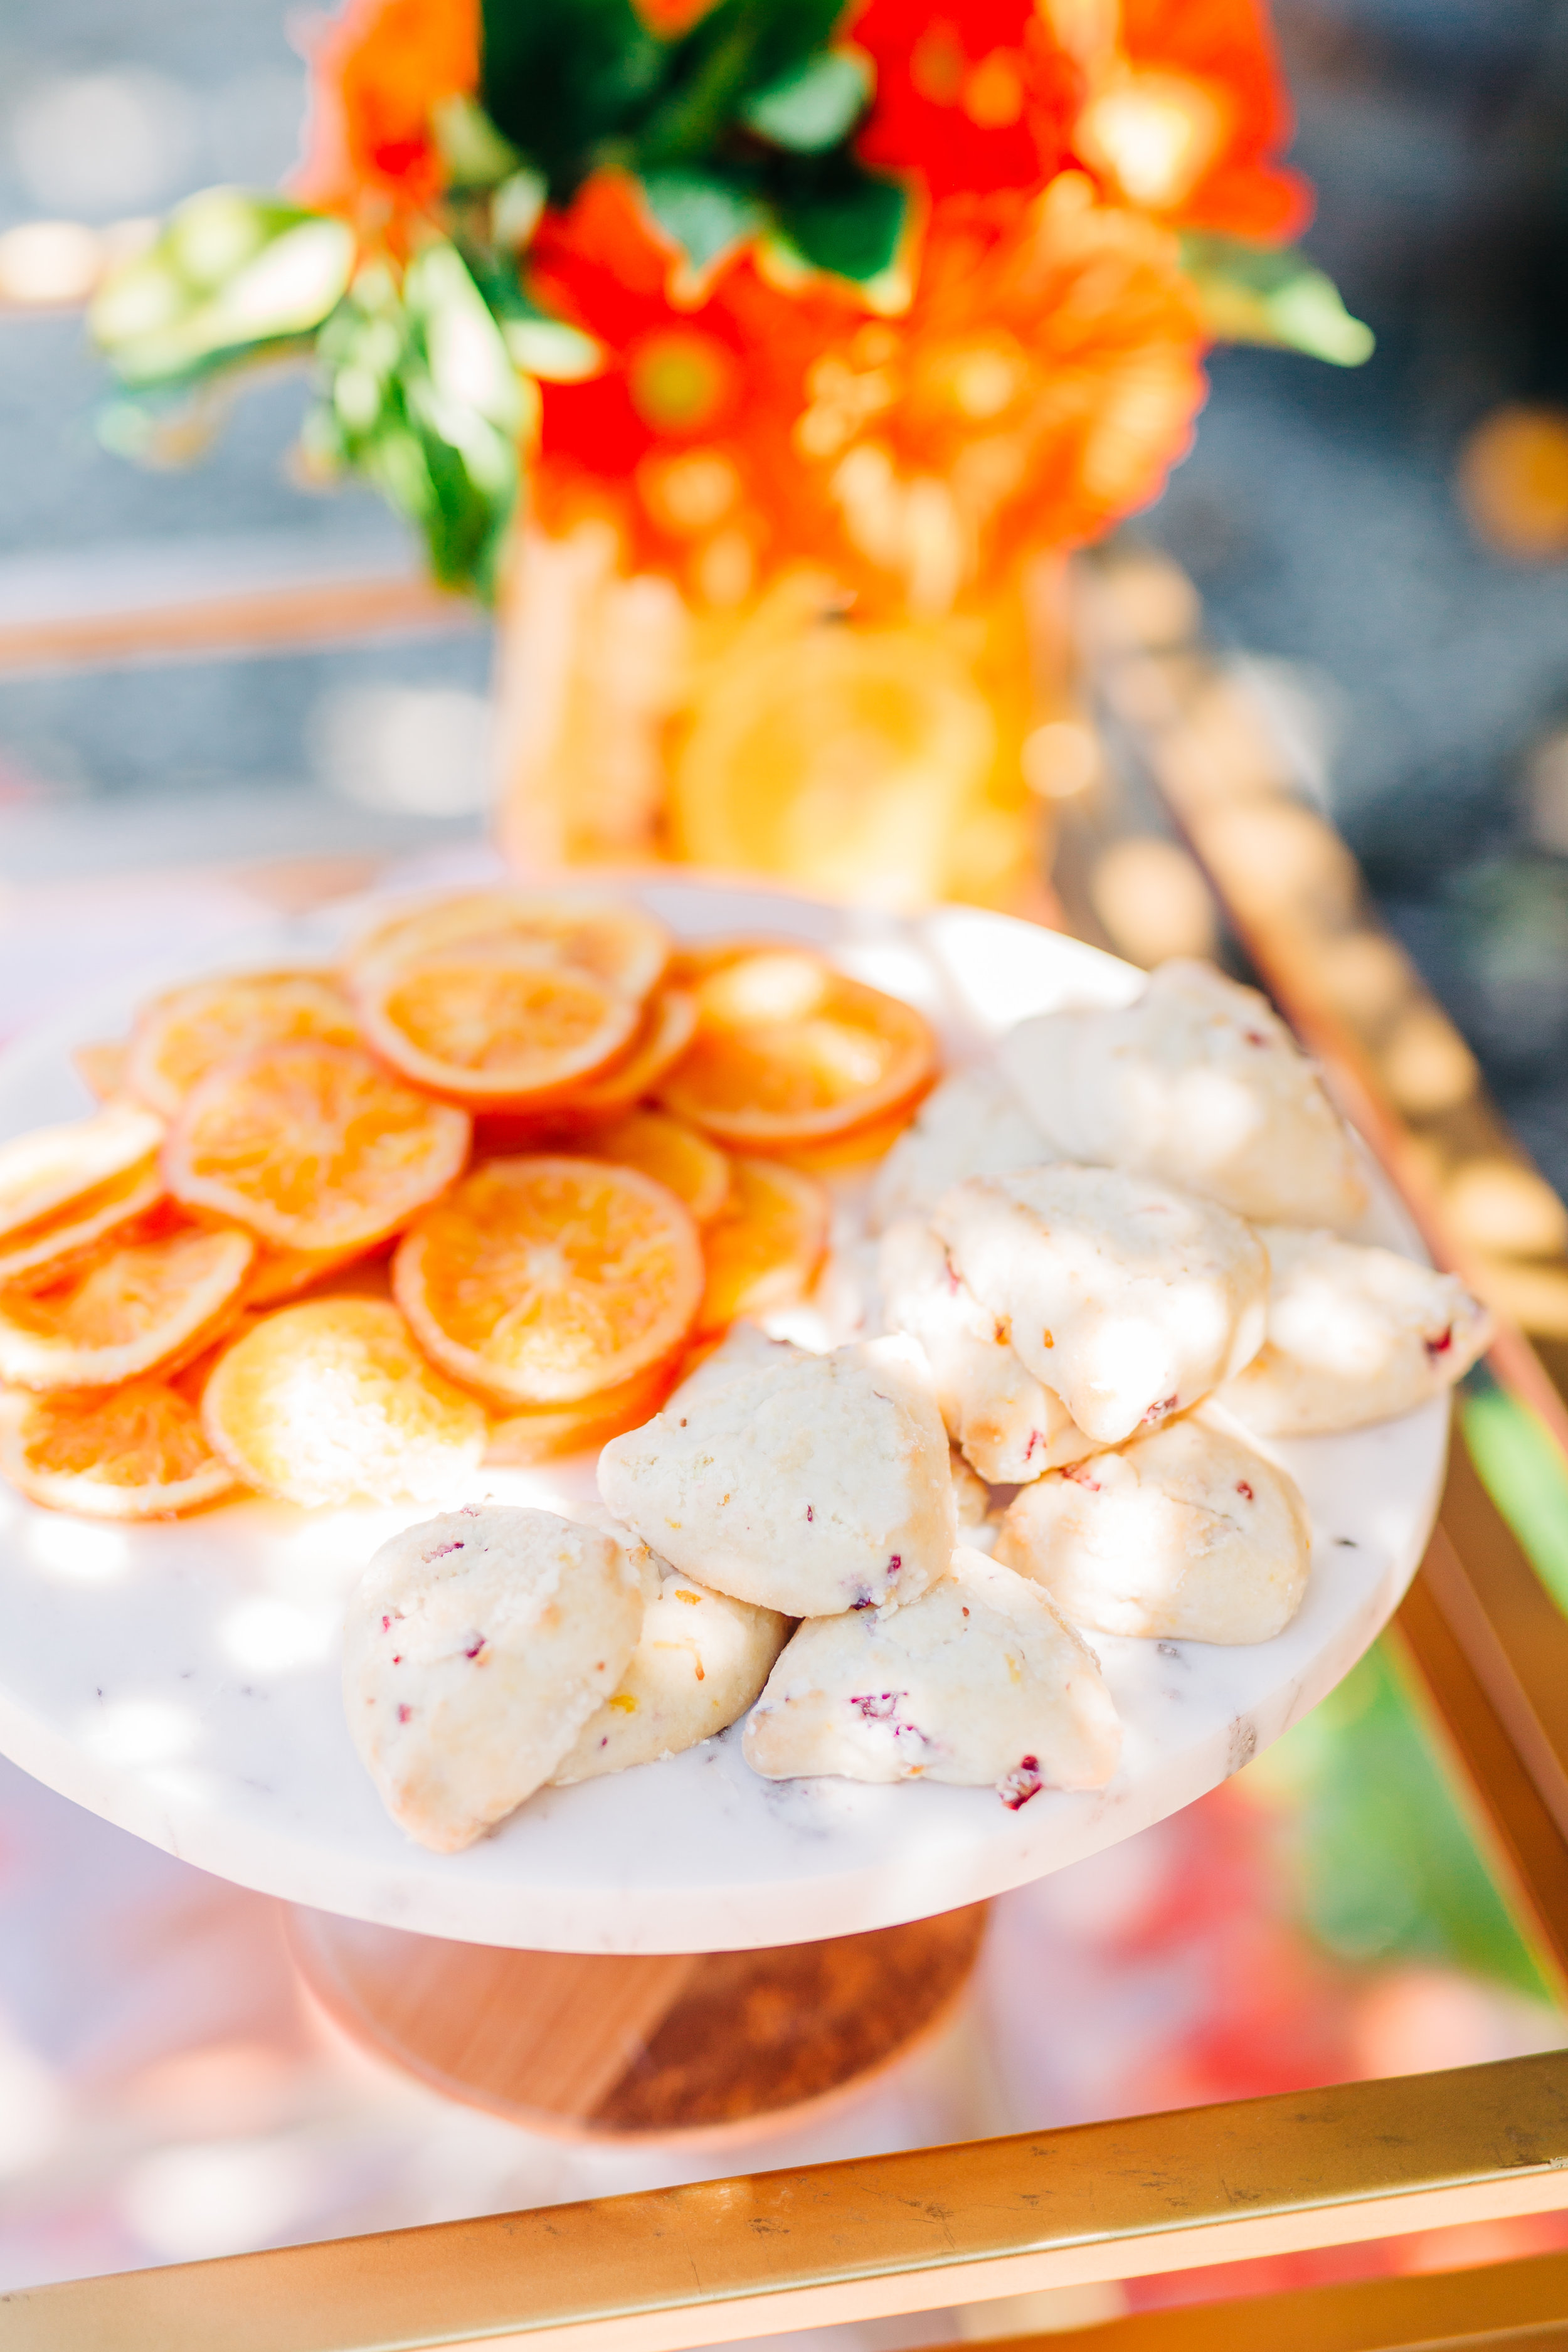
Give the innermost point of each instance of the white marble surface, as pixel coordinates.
(182, 1680)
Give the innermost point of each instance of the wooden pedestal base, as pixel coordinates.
(611, 2047)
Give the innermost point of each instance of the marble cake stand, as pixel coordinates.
(182, 1680)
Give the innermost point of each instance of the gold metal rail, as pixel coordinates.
(231, 621)
(1514, 2305)
(682, 2267)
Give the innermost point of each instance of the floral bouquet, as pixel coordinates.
(767, 314)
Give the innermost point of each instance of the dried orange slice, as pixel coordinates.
(486, 1026)
(764, 1250)
(539, 1432)
(601, 937)
(101, 1067)
(53, 1243)
(54, 1166)
(667, 1028)
(672, 1153)
(327, 1400)
(179, 1037)
(313, 1147)
(542, 1280)
(134, 1307)
(282, 1274)
(862, 1147)
(789, 1052)
(136, 1452)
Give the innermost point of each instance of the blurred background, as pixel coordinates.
(1383, 551)
(1383, 557)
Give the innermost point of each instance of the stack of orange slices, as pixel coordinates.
(479, 1192)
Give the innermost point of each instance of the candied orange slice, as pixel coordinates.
(766, 1247)
(101, 1067)
(282, 1274)
(54, 1242)
(697, 959)
(542, 1280)
(131, 1308)
(667, 1028)
(314, 1147)
(333, 1399)
(860, 1148)
(604, 937)
(180, 1036)
(539, 1432)
(485, 1026)
(789, 1052)
(672, 1153)
(136, 1452)
(52, 1167)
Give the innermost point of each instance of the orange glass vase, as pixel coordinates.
(783, 732)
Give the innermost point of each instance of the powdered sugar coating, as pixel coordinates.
(1354, 1336)
(700, 1660)
(475, 1646)
(1128, 1299)
(809, 1485)
(1007, 1422)
(1187, 1535)
(971, 1125)
(1198, 1082)
(978, 1681)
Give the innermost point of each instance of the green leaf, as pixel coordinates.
(475, 153)
(845, 220)
(707, 214)
(539, 343)
(467, 360)
(230, 273)
(562, 77)
(420, 395)
(738, 48)
(813, 105)
(516, 209)
(1268, 294)
(551, 350)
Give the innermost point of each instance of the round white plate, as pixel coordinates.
(182, 1679)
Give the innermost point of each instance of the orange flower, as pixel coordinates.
(974, 96)
(721, 385)
(1216, 115)
(1041, 385)
(1175, 106)
(378, 71)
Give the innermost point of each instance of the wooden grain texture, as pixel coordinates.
(624, 2045)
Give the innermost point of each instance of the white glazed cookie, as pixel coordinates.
(970, 1125)
(1185, 1534)
(476, 1647)
(810, 1484)
(971, 1502)
(700, 1661)
(1353, 1335)
(744, 1349)
(1199, 1083)
(1008, 1424)
(1128, 1299)
(977, 1681)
